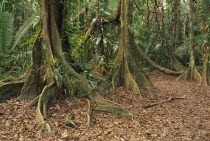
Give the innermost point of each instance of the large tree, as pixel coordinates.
(127, 70)
(50, 75)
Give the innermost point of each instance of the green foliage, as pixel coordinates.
(93, 80)
(6, 31)
(14, 64)
(76, 41)
(31, 22)
(113, 4)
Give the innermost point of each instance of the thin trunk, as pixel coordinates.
(206, 53)
(78, 14)
(174, 28)
(192, 72)
(174, 63)
(156, 15)
(86, 15)
(148, 14)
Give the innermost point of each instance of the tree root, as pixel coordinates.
(89, 114)
(45, 96)
(154, 64)
(127, 72)
(177, 65)
(10, 89)
(190, 74)
(111, 107)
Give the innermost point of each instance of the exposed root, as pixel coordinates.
(111, 107)
(89, 114)
(69, 89)
(190, 74)
(140, 77)
(34, 102)
(129, 80)
(127, 72)
(42, 103)
(156, 65)
(177, 65)
(10, 89)
(104, 87)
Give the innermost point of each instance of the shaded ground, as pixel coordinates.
(178, 120)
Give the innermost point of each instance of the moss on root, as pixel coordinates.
(190, 74)
(128, 72)
(111, 107)
(32, 86)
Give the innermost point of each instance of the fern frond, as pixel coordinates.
(32, 21)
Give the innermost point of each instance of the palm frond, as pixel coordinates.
(32, 21)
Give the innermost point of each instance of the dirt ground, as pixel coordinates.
(184, 119)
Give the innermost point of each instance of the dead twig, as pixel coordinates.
(163, 101)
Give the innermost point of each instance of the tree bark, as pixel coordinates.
(206, 53)
(191, 72)
(174, 63)
(50, 74)
(127, 70)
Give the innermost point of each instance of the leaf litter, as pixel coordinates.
(184, 119)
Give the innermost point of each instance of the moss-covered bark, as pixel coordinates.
(50, 74)
(127, 70)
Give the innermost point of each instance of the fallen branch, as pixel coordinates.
(164, 101)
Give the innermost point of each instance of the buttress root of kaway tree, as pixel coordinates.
(127, 70)
(50, 74)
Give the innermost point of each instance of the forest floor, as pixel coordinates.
(184, 119)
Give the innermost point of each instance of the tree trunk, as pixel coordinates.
(192, 72)
(206, 67)
(127, 69)
(174, 63)
(206, 54)
(50, 74)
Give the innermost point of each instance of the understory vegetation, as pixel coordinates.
(84, 50)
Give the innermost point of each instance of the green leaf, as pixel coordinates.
(107, 13)
(98, 39)
(32, 21)
(131, 29)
